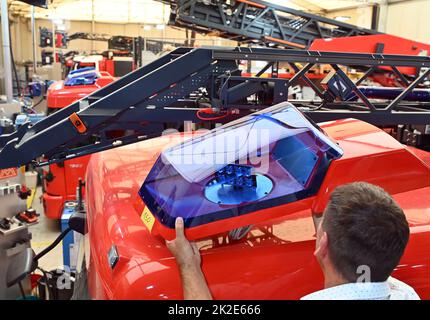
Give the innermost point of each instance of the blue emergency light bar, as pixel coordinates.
(82, 77)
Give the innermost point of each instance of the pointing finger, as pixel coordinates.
(179, 227)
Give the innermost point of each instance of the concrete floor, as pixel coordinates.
(44, 233)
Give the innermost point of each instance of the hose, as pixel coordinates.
(52, 245)
(210, 111)
(45, 276)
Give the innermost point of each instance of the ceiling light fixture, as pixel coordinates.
(342, 18)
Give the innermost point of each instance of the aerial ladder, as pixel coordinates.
(258, 22)
(262, 23)
(206, 85)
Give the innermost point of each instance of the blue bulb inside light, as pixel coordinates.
(237, 176)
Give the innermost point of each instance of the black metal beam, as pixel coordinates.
(365, 75)
(409, 89)
(317, 57)
(402, 78)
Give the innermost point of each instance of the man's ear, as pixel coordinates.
(321, 251)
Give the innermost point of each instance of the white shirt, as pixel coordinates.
(392, 289)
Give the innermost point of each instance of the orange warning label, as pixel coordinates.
(78, 123)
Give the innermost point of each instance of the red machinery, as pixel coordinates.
(254, 221)
(378, 43)
(127, 258)
(60, 95)
(61, 179)
(114, 62)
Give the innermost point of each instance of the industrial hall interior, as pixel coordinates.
(215, 150)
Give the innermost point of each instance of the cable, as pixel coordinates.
(39, 102)
(22, 290)
(52, 245)
(45, 275)
(225, 83)
(210, 111)
(45, 251)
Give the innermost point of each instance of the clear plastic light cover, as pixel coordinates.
(266, 159)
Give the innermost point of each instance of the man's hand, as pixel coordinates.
(188, 259)
(186, 253)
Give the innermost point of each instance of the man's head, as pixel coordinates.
(361, 226)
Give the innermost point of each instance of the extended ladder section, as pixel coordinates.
(206, 85)
(258, 22)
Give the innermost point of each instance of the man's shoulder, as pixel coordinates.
(392, 289)
(401, 291)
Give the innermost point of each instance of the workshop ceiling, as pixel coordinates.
(111, 11)
(152, 12)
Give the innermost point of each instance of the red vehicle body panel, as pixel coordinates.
(66, 175)
(63, 186)
(275, 260)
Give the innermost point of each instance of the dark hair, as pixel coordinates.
(365, 226)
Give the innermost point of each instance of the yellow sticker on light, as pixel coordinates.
(148, 218)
